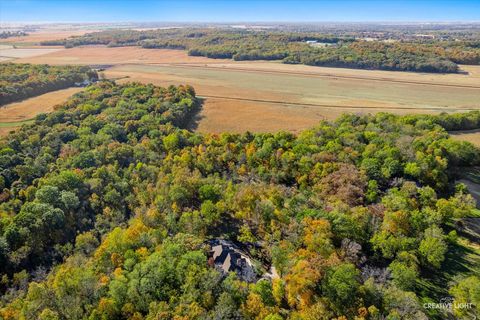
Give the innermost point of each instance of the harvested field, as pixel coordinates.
(15, 114)
(118, 55)
(16, 53)
(239, 100)
(29, 108)
(137, 55)
(219, 116)
(270, 96)
(44, 35)
(469, 78)
(472, 136)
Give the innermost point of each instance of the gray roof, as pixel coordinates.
(228, 258)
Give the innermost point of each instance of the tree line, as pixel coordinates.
(108, 202)
(309, 48)
(10, 34)
(21, 81)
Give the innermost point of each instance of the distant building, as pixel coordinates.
(84, 83)
(315, 43)
(226, 257)
(424, 36)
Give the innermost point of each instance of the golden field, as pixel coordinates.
(271, 96)
(15, 114)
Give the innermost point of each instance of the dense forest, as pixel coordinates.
(108, 204)
(309, 48)
(21, 81)
(388, 56)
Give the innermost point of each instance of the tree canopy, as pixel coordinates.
(20, 81)
(347, 49)
(108, 203)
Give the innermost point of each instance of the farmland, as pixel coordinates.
(472, 136)
(8, 52)
(28, 46)
(263, 99)
(118, 55)
(239, 173)
(270, 96)
(129, 139)
(295, 47)
(33, 38)
(15, 114)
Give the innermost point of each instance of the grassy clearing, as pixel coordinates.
(7, 127)
(14, 124)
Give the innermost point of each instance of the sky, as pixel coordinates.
(238, 11)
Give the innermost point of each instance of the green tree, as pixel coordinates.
(405, 270)
(341, 285)
(433, 247)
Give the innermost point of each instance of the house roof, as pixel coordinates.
(227, 257)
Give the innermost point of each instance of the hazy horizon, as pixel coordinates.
(333, 22)
(264, 11)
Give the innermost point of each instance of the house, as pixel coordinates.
(84, 83)
(226, 257)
